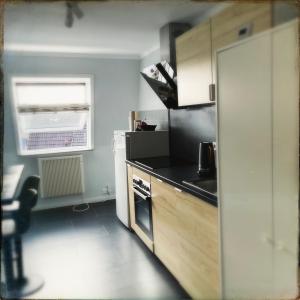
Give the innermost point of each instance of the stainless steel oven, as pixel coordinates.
(143, 205)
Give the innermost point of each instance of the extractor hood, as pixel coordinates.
(161, 79)
(162, 75)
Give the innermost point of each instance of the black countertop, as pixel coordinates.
(174, 172)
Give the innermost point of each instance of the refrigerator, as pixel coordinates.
(133, 145)
(258, 164)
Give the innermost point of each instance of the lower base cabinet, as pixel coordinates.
(186, 239)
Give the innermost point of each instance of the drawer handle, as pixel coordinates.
(159, 180)
(212, 92)
(178, 190)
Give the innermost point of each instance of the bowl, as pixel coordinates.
(148, 127)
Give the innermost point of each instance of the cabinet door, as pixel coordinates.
(237, 21)
(164, 224)
(198, 246)
(186, 239)
(285, 87)
(194, 73)
(245, 168)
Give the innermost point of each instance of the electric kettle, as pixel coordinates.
(207, 165)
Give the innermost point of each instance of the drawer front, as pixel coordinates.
(225, 27)
(141, 174)
(193, 54)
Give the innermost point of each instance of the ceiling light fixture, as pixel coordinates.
(72, 9)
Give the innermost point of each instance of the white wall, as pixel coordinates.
(116, 85)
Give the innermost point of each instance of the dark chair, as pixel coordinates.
(32, 182)
(19, 212)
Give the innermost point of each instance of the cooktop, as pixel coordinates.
(153, 163)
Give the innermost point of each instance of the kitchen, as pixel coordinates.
(209, 216)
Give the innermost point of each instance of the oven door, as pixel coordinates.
(143, 212)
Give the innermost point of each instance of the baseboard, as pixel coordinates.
(50, 204)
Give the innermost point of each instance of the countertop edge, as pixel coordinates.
(199, 195)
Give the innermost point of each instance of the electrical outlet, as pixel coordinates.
(106, 189)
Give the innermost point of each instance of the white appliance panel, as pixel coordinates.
(121, 178)
(258, 165)
(245, 168)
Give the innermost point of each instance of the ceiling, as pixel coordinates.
(113, 28)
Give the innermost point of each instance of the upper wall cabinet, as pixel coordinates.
(238, 21)
(194, 69)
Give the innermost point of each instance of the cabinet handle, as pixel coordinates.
(178, 190)
(159, 180)
(212, 93)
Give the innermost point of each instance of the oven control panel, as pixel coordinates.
(141, 184)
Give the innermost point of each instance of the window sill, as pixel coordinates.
(56, 153)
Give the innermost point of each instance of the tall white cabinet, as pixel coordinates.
(258, 164)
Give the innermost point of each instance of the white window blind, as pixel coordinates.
(52, 115)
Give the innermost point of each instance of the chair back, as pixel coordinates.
(31, 182)
(23, 217)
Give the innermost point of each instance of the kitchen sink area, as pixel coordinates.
(204, 184)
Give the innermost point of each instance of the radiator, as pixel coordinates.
(61, 176)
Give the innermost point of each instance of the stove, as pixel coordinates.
(153, 163)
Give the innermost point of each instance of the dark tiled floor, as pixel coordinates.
(91, 255)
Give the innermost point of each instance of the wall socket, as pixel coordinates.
(106, 189)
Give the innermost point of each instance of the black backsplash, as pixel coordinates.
(189, 127)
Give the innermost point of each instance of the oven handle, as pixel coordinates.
(144, 197)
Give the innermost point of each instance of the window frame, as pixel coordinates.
(86, 78)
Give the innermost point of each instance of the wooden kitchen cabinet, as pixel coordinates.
(186, 239)
(237, 21)
(196, 48)
(130, 196)
(194, 69)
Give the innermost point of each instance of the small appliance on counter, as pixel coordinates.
(143, 126)
(207, 159)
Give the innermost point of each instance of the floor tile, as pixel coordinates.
(92, 255)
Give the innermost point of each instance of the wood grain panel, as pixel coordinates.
(199, 220)
(194, 75)
(143, 237)
(239, 14)
(141, 174)
(186, 239)
(226, 25)
(130, 196)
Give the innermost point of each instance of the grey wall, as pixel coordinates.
(155, 117)
(116, 85)
(284, 12)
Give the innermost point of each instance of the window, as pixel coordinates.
(53, 115)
